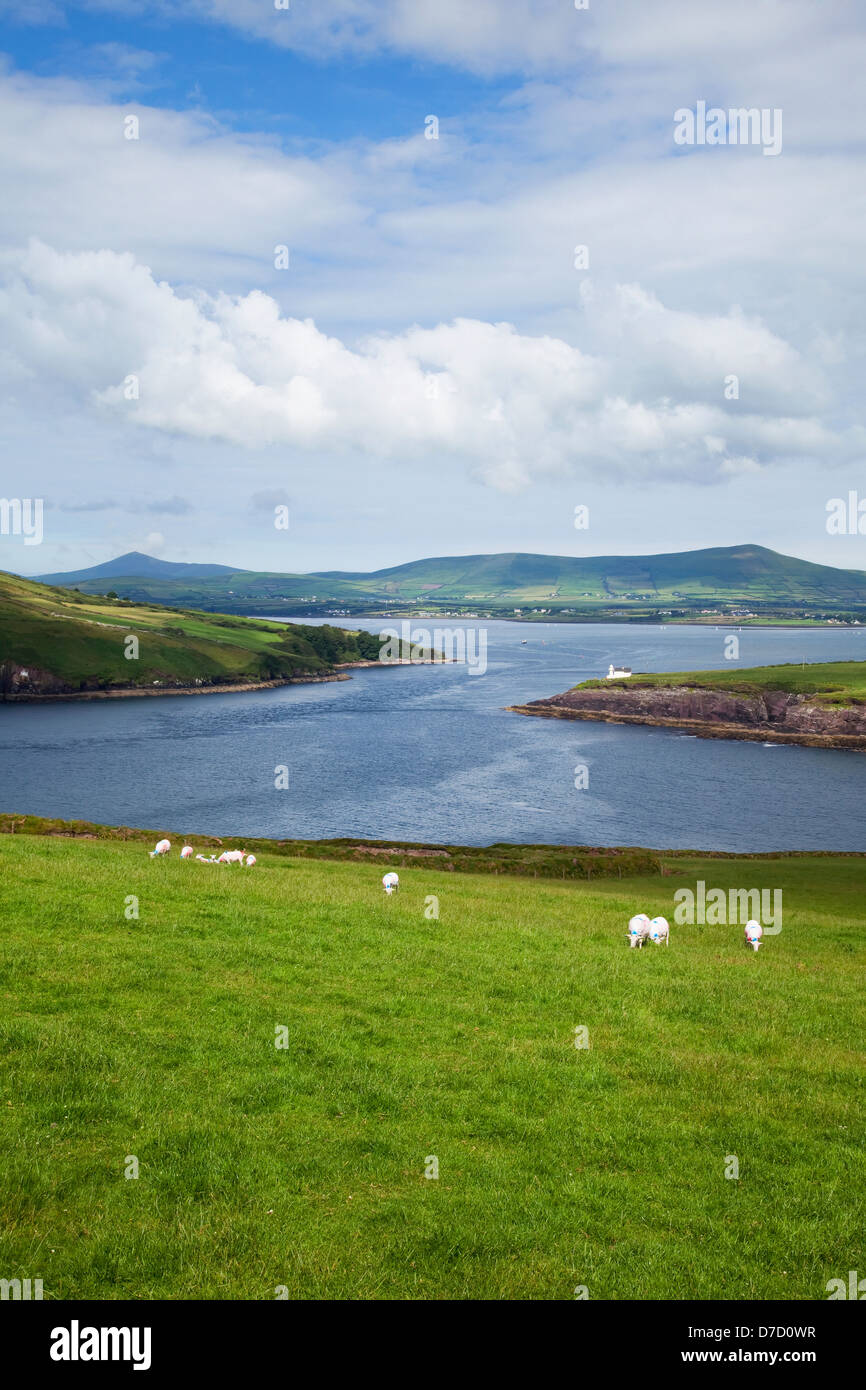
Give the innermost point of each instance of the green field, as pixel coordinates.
(67, 641)
(409, 1038)
(832, 683)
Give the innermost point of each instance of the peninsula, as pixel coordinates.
(57, 644)
(820, 706)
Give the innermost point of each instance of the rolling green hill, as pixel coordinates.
(66, 643)
(748, 575)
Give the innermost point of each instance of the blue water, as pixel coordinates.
(429, 753)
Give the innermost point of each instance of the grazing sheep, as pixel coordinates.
(162, 847)
(250, 861)
(186, 852)
(391, 882)
(754, 932)
(638, 929)
(660, 931)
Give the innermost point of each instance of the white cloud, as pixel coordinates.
(703, 263)
(512, 406)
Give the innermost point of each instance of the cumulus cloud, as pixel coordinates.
(433, 333)
(512, 406)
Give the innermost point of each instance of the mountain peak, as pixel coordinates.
(135, 565)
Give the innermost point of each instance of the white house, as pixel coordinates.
(615, 673)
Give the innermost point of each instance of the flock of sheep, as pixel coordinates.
(642, 928)
(228, 856)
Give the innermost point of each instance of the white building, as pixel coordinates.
(615, 673)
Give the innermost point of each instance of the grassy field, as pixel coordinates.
(829, 682)
(408, 1038)
(79, 643)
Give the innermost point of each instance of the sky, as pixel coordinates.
(430, 277)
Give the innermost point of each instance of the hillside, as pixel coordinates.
(609, 585)
(748, 571)
(306, 1167)
(55, 641)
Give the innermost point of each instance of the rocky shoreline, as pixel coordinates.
(338, 673)
(774, 716)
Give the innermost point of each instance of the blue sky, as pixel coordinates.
(543, 307)
(247, 82)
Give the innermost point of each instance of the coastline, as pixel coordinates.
(701, 728)
(134, 692)
(339, 672)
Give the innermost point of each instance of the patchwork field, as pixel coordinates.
(410, 1038)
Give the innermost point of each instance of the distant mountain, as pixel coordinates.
(138, 566)
(600, 585)
(747, 571)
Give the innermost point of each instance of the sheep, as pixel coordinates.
(391, 882)
(754, 932)
(162, 847)
(638, 929)
(186, 852)
(250, 861)
(660, 931)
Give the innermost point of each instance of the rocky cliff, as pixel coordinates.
(773, 716)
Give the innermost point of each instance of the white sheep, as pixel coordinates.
(754, 932)
(232, 856)
(391, 882)
(162, 847)
(638, 929)
(186, 852)
(250, 861)
(660, 930)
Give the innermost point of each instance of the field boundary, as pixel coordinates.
(576, 862)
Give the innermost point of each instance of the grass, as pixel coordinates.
(71, 642)
(828, 683)
(411, 1037)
